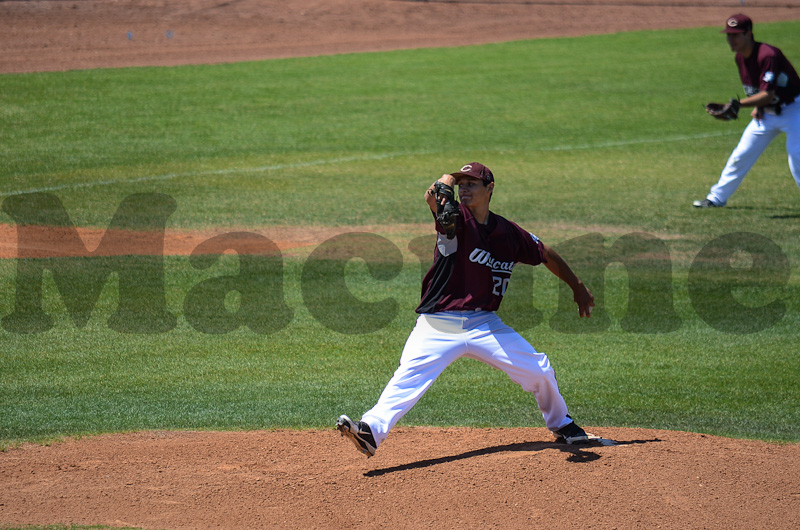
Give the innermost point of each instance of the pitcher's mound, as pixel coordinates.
(419, 478)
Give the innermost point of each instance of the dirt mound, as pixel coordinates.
(420, 478)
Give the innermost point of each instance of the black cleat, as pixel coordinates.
(705, 203)
(571, 434)
(359, 433)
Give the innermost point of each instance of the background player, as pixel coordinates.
(772, 86)
(460, 293)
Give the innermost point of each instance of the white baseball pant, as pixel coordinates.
(756, 137)
(439, 339)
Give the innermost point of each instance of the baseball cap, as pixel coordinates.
(475, 170)
(738, 24)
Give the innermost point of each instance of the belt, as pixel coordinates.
(777, 108)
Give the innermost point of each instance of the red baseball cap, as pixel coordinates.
(738, 24)
(475, 170)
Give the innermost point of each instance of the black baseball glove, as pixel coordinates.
(724, 111)
(447, 212)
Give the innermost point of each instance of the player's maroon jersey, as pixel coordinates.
(471, 271)
(768, 69)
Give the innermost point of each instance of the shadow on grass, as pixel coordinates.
(579, 454)
(788, 216)
(786, 213)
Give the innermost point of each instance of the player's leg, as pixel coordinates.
(499, 346)
(791, 116)
(435, 342)
(756, 137)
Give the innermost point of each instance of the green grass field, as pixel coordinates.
(592, 140)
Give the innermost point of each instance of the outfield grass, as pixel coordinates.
(591, 139)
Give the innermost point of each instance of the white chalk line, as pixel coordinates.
(226, 171)
(340, 160)
(638, 141)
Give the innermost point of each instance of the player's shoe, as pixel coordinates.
(359, 433)
(571, 434)
(705, 203)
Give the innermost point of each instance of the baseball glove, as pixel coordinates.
(447, 212)
(724, 111)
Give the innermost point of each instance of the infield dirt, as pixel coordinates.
(421, 477)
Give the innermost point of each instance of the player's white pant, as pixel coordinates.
(439, 339)
(755, 138)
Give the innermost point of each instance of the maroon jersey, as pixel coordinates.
(471, 271)
(768, 69)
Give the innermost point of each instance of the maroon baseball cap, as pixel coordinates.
(738, 24)
(475, 170)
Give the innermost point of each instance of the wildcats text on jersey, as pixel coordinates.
(484, 257)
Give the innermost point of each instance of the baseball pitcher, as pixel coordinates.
(475, 254)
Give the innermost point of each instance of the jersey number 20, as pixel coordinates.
(500, 285)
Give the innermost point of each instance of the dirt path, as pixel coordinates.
(69, 34)
(421, 477)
